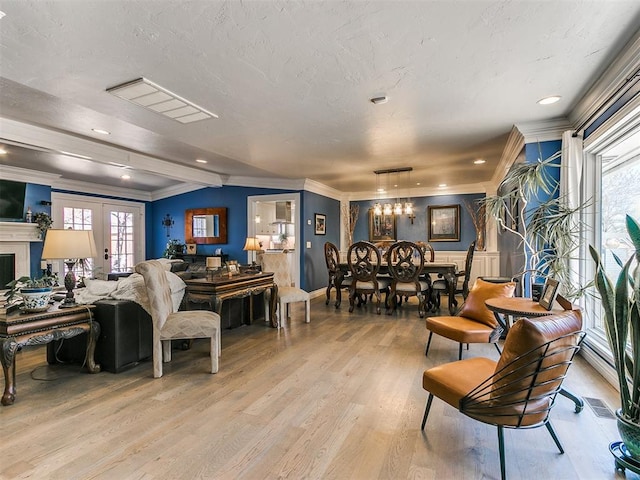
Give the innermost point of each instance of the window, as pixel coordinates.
(612, 181)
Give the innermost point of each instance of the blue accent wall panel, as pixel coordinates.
(418, 231)
(314, 270)
(233, 198)
(34, 195)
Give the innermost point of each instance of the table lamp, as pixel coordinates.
(70, 246)
(252, 244)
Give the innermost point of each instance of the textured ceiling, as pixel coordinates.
(291, 81)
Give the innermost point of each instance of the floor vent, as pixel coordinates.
(599, 407)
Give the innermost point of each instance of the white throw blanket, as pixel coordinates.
(129, 288)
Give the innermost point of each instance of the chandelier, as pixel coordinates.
(398, 208)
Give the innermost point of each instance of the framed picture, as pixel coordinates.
(381, 227)
(191, 248)
(444, 223)
(232, 267)
(321, 224)
(549, 293)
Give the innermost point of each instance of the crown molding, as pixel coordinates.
(102, 190)
(322, 189)
(18, 174)
(544, 130)
(268, 182)
(513, 147)
(175, 190)
(421, 192)
(626, 63)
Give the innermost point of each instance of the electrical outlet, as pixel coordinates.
(308, 244)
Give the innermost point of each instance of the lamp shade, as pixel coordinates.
(252, 244)
(61, 244)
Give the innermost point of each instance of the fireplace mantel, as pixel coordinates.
(19, 232)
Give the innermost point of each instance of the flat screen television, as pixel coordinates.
(12, 200)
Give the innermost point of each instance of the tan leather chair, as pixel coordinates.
(519, 389)
(169, 325)
(475, 323)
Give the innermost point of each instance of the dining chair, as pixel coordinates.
(278, 263)
(519, 390)
(427, 251)
(364, 264)
(462, 280)
(404, 261)
(474, 323)
(169, 325)
(337, 278)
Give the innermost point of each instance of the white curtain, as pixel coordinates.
(570, 187)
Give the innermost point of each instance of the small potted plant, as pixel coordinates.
(35, 293)
(621, 304)
(174, 247)
(43, 219)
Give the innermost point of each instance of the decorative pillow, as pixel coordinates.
(475, 308)
(100, 287)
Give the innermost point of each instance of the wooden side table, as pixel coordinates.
(507, 310)
(20, 330)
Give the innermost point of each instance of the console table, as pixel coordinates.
(214, 290)
(19, 330)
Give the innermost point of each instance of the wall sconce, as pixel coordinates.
(167, 222)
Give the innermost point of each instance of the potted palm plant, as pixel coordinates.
(621, 305)
(528, 206)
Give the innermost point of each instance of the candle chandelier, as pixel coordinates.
(398, 208)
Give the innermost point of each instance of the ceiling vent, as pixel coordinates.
(152, 96)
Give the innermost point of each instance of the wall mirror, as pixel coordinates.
(206, 225)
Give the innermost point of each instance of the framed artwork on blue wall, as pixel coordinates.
(381, 227)
(443, 223)
(321, 224)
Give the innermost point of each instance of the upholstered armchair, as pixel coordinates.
(169, 325)
(287, 294)
(519, 390)
(475, 323)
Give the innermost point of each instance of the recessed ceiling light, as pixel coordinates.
(549, 100)
(381, 190)
(2, 14)
(379, 100)
(3, 151)
(442, 185)
(100, 131)
(479, 161)
(418, 183)
(199, 160)
(125, 177)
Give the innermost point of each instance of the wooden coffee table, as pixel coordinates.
(20, 330)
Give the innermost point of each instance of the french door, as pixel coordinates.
(118, 230)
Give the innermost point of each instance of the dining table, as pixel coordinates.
(446, 271)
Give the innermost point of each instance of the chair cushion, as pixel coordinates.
(460, 329)
(452, 381)
(292, 294)
(474, 306)
(190, 324)
(410, 287)
(382, 284)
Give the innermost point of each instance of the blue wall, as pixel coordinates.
(34, 196)
(418, 230)
(234, 198)
(314, 269)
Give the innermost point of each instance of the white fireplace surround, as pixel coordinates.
(15, 238)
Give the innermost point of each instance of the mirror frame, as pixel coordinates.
(222, 221)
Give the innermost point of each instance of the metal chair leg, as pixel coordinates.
(460, 352)
(497, 348)
(503, 473)
(554, 436)
(426, 411)
(426, 352)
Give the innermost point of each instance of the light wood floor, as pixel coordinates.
(339, 398)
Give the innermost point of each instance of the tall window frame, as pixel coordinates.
(620, 126)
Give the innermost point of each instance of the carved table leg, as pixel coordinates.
(7, 356)
(273, 301)
(451, 285)
(92, 338)
(338, 280)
